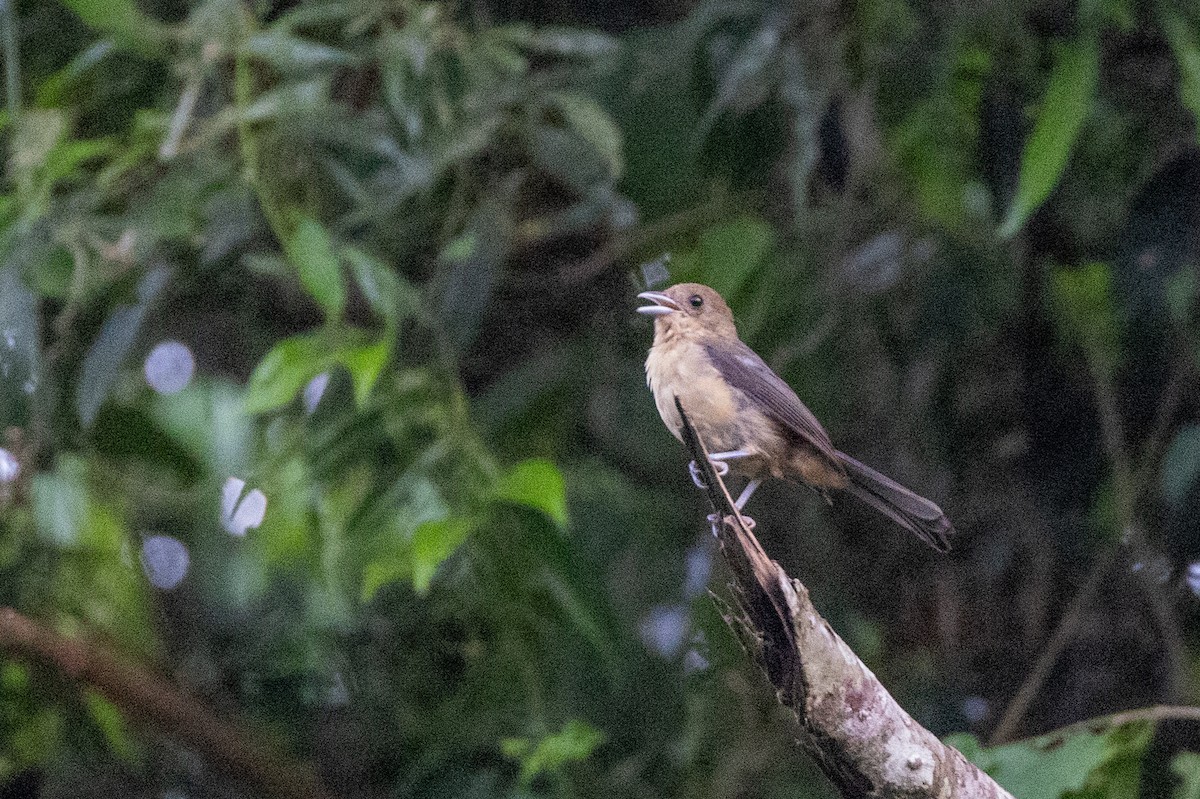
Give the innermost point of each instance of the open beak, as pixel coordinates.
(662, 306)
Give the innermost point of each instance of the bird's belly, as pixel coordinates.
(711, 405)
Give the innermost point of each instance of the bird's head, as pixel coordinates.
(689, 309)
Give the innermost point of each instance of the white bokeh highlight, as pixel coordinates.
(314, 391)
(1192, 577)
(165, 561)
(664, 629)
(975, 709)
(10, 467)
(241, 514)
(169, 367)
(699, 567)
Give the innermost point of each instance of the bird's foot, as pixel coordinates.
(715, 520)
(720, 468)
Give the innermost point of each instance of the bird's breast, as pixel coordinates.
(682, 368)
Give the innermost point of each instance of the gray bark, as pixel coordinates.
(863, 740)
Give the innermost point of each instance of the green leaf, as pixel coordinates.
(284, 370)
(291, 363)
(112, 725)
(1120, 775)
(1034, 773)
(311, 250)
(390, 295)
(384, 571)
(38, 132)
(60, 504)
(208, 421)
(291, 54)
(1187, 58)
(48, 275)
(1181, 464)
(1086, 313)
(728, 255)
(565, 155)
(54, 90)
(1066, 104)
(537, 484)
(1031, 770)
(587, 118)
(102, 364)
(1186, 766)
(19, 349)
(562, 42)
(1083, 764)
(550, 755)
(393, 521)
(365, 364)
(1180, 295)
(1093, 14)
(747, 80)
(463, 289)
(433, 542)
(64, 160)
(460, 248)
(125, 23)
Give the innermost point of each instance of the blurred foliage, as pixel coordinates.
(1084, 764)
(436, 538)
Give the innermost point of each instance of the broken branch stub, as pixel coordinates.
(863, 740)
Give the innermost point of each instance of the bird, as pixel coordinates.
(751, 419)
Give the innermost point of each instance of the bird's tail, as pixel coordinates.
(914, 513)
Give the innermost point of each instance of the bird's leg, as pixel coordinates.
(717, 459)
(747, 492)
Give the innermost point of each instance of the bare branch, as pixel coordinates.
(145, 697)
(855, 730)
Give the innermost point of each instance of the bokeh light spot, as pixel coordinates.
(169, 367)
(975, 709)
(165, 561)
(1192, 577)
(314, 391)
(239, 517)
(699, 567)
(664, 629)
(10, 467)
(657, 272)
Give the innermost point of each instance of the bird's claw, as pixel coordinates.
(715, 519)
(719, 467)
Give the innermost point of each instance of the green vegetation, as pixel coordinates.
(414, 519)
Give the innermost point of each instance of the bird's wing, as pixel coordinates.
(744, 370)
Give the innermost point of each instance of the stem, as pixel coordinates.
(243, 90)
(1154, 713)
(153, 701)
(180, 119)
(12, 60)
(1062, 636)
(1128, 488)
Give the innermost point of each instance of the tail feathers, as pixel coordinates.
(914, 513)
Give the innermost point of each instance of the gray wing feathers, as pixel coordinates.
(744, 370)
(912, 512)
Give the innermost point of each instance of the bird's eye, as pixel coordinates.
(696, 300)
